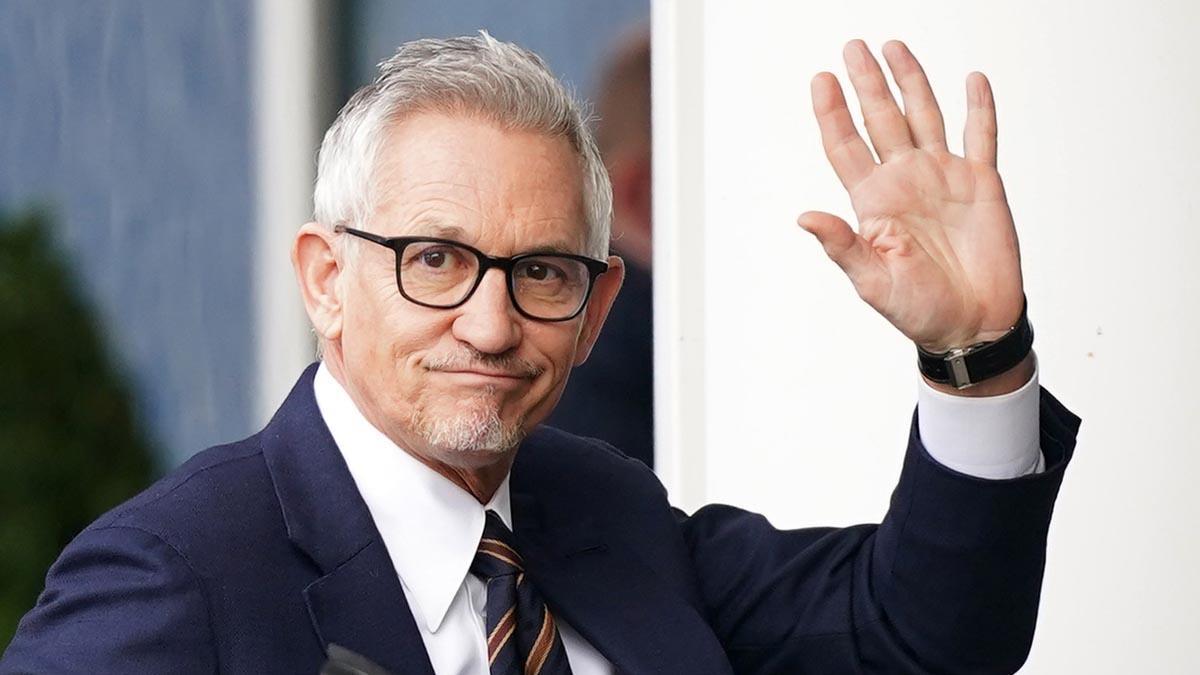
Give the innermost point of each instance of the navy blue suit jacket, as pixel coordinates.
(252, 557)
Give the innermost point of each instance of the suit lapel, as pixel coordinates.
(357, 601)
(606, 594)
(361, 606)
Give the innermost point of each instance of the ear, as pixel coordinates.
(317, 270)
(603, 295)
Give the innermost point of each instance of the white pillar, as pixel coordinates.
(678, 123)
(290, 55)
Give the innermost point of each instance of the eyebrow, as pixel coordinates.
(433, 228)
(549, 249)
(440, 230)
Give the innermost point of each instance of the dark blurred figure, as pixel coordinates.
(611, 397)
(69, 448)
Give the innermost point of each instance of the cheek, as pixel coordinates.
(386, 338)
(406, 335)
(554, 346)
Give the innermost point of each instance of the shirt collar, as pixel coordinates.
(430, 526)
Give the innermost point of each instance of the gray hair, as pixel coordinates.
(475, 75)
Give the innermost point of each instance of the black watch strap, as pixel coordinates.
(966, 366)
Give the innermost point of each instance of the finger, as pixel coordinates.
(885, 125)
(842, 244)
(848, 153)
(920, 107)
(979, 137)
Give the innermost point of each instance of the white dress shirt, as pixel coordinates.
(431, 527)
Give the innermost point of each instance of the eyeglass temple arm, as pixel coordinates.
(359, 233)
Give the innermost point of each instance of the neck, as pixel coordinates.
(481, 483)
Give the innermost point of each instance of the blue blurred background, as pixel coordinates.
(129, 123)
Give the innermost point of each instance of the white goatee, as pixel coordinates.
(477, 430)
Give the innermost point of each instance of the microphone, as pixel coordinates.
(342, 661)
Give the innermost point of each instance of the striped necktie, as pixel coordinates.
(522, 638)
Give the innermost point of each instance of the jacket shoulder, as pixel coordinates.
(587, 477)
(566, 457)
(220, 498)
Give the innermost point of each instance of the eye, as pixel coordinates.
(541, 271)
(432, 258)
(537, 271)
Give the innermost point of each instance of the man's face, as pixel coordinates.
(460, 385)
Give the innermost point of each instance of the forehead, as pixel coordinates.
(502, 190)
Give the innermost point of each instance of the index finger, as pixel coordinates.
(848, 153)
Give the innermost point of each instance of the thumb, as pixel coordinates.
(841, 243)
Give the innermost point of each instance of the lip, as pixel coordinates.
(486, 375)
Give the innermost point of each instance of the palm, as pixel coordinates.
(936, 252)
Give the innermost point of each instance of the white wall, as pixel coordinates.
(799, 397)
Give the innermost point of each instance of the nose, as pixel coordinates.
(488, 321)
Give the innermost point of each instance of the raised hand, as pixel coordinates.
(936, 251)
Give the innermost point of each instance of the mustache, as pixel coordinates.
(471, 359)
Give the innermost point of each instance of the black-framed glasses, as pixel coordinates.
(443, 274)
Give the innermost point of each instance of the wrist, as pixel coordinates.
(1004, 383)
(968, 367)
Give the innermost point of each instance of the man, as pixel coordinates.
(611, 396)
(454, 274)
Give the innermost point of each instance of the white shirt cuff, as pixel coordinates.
(993, 437)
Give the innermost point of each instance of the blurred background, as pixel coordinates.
(157, 157)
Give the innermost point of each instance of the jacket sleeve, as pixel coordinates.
(118, 600)
(949, 582)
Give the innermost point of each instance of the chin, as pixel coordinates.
(469, 438)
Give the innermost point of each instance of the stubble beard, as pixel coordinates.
(470, 435)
